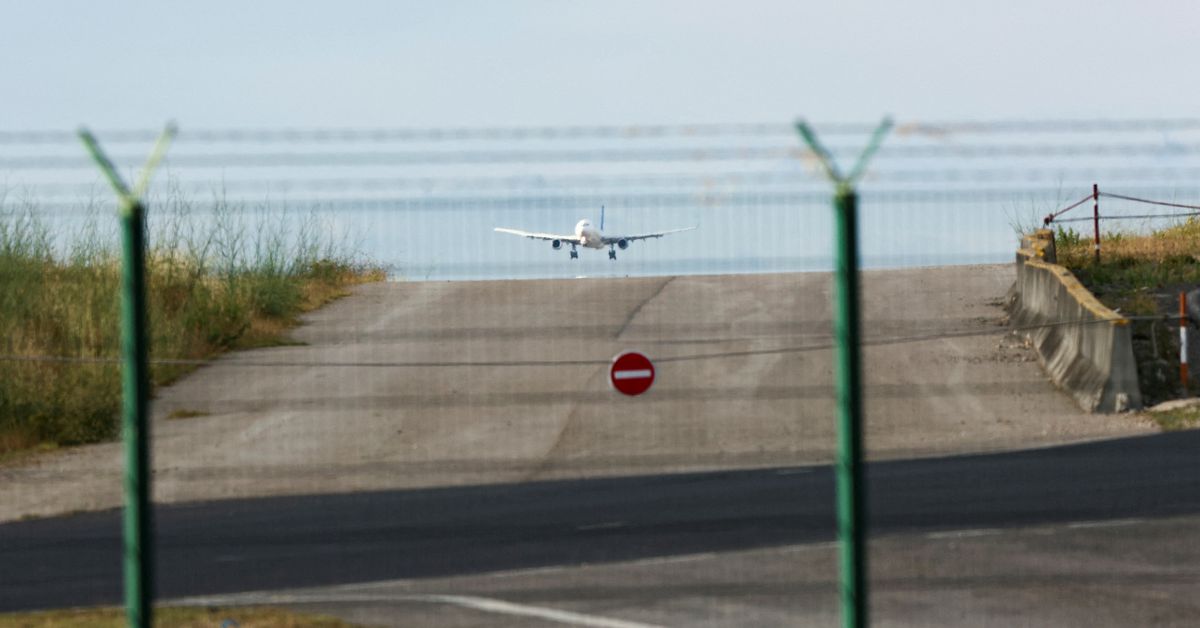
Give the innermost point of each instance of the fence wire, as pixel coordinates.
(998, 330)
(644, 131)
(340, 310)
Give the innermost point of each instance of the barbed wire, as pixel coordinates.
(604, 155)
(869, 342)
(635, 201)
(1143, 125)
(656, 180)
(574, 132)
(411, 134)
(497, 203)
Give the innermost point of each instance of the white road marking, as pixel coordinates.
(525, 610)
(1115, 523)
(962, 534)
(633, 374)
(795, 549)
(1042, 531)
(352, 593)
(682, 558)
(488, 605)
(512, 573)
(641, 562)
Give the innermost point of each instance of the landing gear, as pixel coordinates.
(574, 253)
(612, 253)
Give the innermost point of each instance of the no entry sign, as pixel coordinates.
(631, 373)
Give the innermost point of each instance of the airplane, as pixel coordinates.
(589, 236)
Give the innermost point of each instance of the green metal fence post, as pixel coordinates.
(135, 391)
(135, 384)
(851, 482)
(851, 486)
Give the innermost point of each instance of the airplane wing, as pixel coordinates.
(642, 236)
(539, 236)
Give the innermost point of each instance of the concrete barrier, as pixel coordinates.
(1085, 347)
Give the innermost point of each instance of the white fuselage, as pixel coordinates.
(588, 235)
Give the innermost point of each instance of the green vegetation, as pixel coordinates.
(251, 617)
(1177, 419)
(219, 278)
(1141, 275)
(1070, 239)
(1132, 266)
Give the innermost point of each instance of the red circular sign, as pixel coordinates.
(631, 373)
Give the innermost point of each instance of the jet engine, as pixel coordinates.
(556, 244)
(624, 244)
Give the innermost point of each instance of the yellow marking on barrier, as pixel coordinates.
(1082, 295)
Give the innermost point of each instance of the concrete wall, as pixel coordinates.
(1093, 360)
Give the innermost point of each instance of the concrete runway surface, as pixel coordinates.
(318, 418)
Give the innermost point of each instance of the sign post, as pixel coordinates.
(1183, 343)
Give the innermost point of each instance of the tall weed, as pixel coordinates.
(218, 278)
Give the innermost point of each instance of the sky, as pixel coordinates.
(479, 63)
(374, 64)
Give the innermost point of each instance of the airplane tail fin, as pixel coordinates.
(601, 218)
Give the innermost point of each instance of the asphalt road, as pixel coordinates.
(298, 541)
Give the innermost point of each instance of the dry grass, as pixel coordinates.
(1132, 265)
(174, 618)
(1179, 240)
(1142, 275)
(214, 283)
(1178, 419)
(16, 446)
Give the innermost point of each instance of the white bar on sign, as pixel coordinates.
(642, 374)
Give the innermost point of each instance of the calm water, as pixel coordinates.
(426, 208)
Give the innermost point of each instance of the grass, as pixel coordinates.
(1134, 263)
(212, 617)
(219, 277)
(1177, 419)
(1141, 274)
(16, 448)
